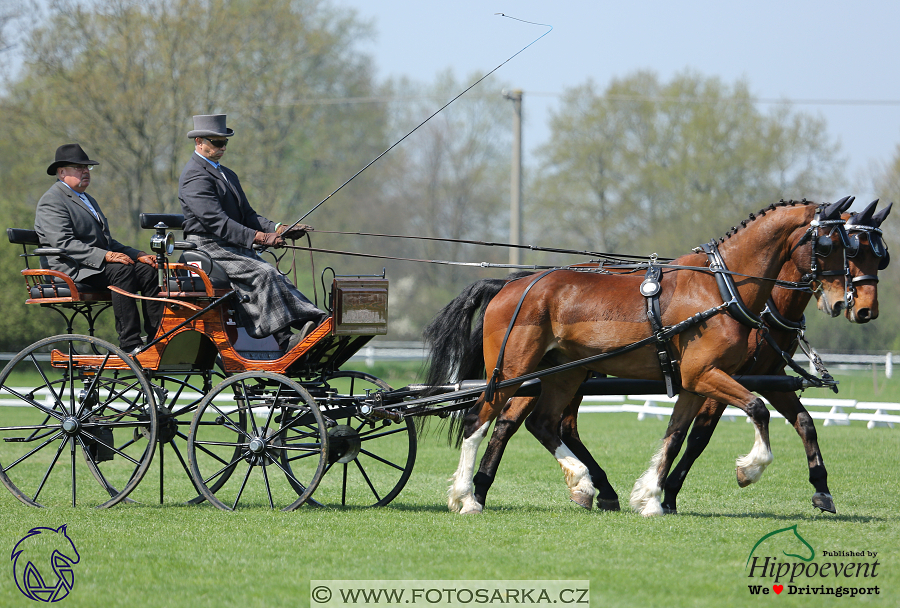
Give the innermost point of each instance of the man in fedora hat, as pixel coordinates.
(218, 217)
(69, 219)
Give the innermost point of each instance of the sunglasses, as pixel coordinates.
(217, 143)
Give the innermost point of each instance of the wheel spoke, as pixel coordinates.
(268, 487)
(243, 485)
(40, 447)
(62, 445)
(380, 459)
(368, 481)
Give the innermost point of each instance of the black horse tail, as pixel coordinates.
(455, 341)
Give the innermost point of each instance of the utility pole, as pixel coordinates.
(515, 190)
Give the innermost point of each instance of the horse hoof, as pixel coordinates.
(742, 480)
(608, 504)
(582, 500)
(667, 510)
(823, 501)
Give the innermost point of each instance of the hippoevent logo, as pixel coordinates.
(782, 561)
(42, 564)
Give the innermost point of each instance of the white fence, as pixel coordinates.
(839, 411)
(832, 411)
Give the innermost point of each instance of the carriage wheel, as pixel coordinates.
(77, 400)
(177, 396)
(369, 461)
(235, 466)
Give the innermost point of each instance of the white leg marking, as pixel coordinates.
(576, 474)
(460, 496)
(753, 464)
(645, 496)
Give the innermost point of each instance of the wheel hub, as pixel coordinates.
(167, 428)
(71, 425)
(343, 444)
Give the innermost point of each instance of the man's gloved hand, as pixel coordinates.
(117, 258)
(294, 232)
(268, 239)
(146, 258)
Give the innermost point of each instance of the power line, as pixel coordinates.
(651, 98)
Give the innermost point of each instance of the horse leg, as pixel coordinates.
(607, 499)
(645, 496)
(697, 440)
(557, 393)
(788, 404)
(475, 426)
(718, 385)
(509, 421)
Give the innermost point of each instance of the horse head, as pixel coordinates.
(866, 255)
(820, 255)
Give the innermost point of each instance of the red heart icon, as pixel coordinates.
(777, 589)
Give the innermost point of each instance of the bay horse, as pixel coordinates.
(869, 254)
(784, 316)
(570, 315)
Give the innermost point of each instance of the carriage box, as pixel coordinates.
(360, 306)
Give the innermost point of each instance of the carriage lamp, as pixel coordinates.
(163, 243)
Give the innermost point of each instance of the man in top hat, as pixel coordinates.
(69, 219)
(218, 217)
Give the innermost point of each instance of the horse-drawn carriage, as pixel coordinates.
(248, 425)
(245, 422)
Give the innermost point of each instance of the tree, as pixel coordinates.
(651, 166)
(124, 77)
(450, 179)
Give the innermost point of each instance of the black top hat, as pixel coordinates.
(69, 154)
(210, 125)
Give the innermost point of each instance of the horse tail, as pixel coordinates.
(455, 338)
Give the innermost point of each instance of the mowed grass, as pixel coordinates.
(173, 555)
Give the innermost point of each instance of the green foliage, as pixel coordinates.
(655, 166)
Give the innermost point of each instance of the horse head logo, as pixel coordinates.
(42, 564)
(787, 542)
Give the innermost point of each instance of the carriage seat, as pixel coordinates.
(184, 281)
(50, 286)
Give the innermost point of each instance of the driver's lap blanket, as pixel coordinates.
(266, 300)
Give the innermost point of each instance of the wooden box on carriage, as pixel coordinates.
(360, 306)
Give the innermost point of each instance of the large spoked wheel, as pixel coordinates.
(80, 406)
(276, 459)
(369, 460)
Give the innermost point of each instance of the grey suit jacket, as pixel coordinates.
(218, 206)
(62, 220)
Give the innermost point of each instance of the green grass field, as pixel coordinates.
(146, 555)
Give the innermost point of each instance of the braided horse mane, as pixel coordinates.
(762, 212)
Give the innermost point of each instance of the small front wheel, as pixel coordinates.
(258, 440)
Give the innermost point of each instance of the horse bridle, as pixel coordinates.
(879, 249)
(822, 245)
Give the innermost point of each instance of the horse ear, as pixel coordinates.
(881, 216)
(835, 209)
(864, 217)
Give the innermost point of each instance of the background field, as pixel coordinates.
(145, 555)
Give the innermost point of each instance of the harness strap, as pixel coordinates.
(771, 315)
(491, 387)
(650, 289)
(728, 290)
